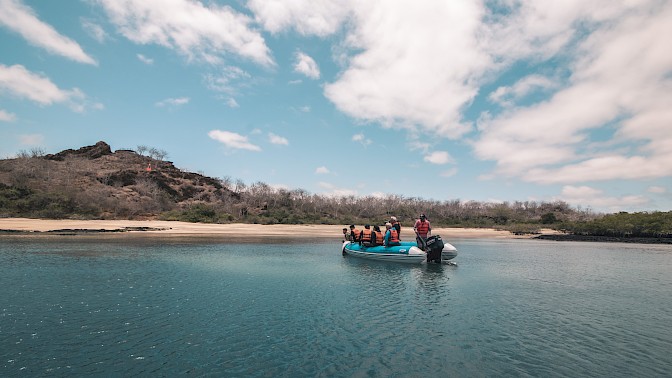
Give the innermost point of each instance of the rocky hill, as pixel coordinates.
(96, 182)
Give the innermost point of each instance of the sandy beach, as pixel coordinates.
(171, 228)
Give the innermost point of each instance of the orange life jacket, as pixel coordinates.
(355, 234)
(366, 235)
(422, 228)
(394, 236)
(378, 237)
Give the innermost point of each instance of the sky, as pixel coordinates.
(495, 100)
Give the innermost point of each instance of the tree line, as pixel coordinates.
(38, 187)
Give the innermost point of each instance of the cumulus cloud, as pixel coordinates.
(21, 19)
(581, 195)
(276, 139)
(305, 65)
(414, 65)
(322, 170)
(308, 17)
(233, 140)
(19, 82)
(439, 157)
(198, 31)
(6, 116)
(173, 102)
(619, 81)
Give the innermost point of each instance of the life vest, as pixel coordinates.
(397, 226)
(394, 236)
(366, 235)
(422, 228)
(378, 237)
(356, 233)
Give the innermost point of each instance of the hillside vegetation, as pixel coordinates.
(94, 182)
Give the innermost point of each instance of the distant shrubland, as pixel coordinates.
(95, 183)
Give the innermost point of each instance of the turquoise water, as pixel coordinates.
(151, 307)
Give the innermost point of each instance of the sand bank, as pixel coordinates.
(170, 228)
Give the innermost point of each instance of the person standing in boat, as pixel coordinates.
(422, 230)
(396, 225)
(391, 236)
(355, 234)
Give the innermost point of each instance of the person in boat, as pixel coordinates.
(377, 236)
(396, 225)
(346, 233)
(423, 230)
(365, 236)
(391, 236)
(354, 233)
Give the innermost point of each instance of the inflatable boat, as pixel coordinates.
(408, 252)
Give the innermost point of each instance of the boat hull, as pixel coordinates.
(407, 252)
(403, 253)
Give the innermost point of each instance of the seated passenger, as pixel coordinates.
(391, 236)
(377, 236)
(354, 233)
(365, 236)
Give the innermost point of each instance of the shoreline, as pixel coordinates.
(26, 226)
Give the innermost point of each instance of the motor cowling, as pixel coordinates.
(434, 247)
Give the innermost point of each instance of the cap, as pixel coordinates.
(393, 218)
(388, 224)
(422, 216)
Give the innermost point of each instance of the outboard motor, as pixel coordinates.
(434, 248)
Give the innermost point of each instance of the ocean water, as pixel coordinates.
(120, 306)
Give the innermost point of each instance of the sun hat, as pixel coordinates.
(388, 224)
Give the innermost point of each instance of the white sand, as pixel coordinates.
(169, 228)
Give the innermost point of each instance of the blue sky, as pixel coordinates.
(502, 100)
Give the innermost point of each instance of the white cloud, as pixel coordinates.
(144, 59)
(362, 139)
(657, 189)
(21, 19)
(227, 80)
(415, 65)
(439, 157)
(305, 109)
(306, 65)
(507, 95)
(308, 17)
(619, 81)
(233, 140)
(585, 195)
(199, 32)
(232, 103)
(6, 116)
(449, 173)
(322, 170)
(31, 139)
(276, 139)
(173, 102)
(332, 190)
(95, 31)
(18, 81)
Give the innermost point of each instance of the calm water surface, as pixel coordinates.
(152, 307)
